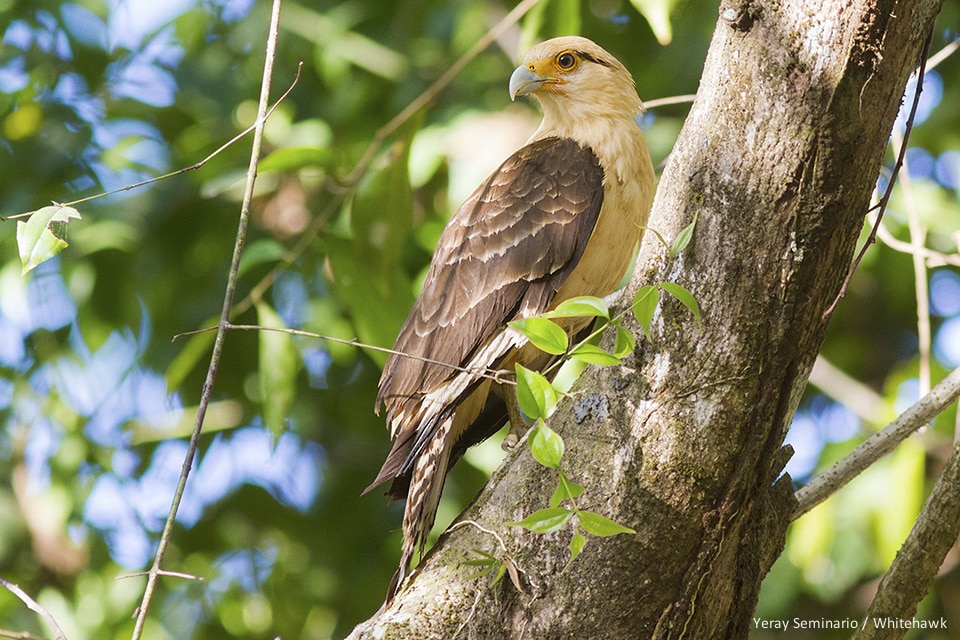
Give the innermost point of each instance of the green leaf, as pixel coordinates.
(278, 370)
(657, 13)
(546, 445)
(685, 297)
(545, 520)
(545, 334)
(324, 316)
(295, 158)
(658, 236)
(624, 344)
(576, 545)
(592, 354)
(566, 489)
(579, 307)
(535, 394)
(486, 562)
(644, 306)
(683, 238)
(376, 303)
(566, 15)
(381, 213)
(598, 525)
(265, 251)
(41, 236)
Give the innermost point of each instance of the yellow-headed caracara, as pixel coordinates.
(562, 217)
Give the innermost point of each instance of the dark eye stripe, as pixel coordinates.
(590, 58)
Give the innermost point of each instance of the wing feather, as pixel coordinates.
(503, 255)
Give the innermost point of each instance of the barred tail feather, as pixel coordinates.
(423, 498)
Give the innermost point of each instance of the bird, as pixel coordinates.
(561, 217)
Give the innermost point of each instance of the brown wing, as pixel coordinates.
(504, 252)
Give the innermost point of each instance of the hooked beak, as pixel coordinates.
(523, 81)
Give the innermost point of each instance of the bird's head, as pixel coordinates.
(573, 74)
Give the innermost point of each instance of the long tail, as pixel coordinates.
(423, 498)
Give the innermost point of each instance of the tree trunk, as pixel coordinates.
(777, 161)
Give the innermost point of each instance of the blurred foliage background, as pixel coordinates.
(97, 399)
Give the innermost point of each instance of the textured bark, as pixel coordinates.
(683, 443)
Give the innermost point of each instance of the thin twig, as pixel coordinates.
(33, 605)
(231, 288)
(492, 374)
(18, 635)
(879, 444)
(663, 102)
(193, 167)
(918, 237)
(943, 54)
(171, 574)
(888, 192)
(932, 258)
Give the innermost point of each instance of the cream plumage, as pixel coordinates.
(561, 217)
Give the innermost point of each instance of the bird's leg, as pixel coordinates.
(518, 426)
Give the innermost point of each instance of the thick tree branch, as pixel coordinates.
(920, 557)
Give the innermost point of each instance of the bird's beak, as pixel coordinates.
(524, 81)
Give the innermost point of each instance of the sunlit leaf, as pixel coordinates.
(295, 158)
(566, 15)
(545, 520)
(545, 334)
(375, 303)
(903, 497)
(592, 354)
(657, 13)
(685, 297)
(625, 343)
(581, 306)
(535, 394)
(644, 306)
(576, 545)
(278, 369)
(566, 489)
(546, 445)
(683, 238)
(381, 213)
(41, 236)
(598, 525)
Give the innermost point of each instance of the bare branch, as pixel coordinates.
(933, 258)
(662, 102)
(18, 635)
(231, 288)
(33, 605)
(879, 444)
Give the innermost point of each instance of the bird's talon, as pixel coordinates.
(512, 438)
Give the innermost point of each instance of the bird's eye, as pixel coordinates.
(566, 60)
